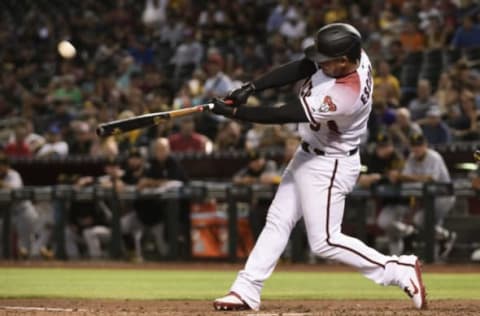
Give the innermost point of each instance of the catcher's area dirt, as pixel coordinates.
(74, 307)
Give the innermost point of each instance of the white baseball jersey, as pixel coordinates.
(337, 108)
(315, 186)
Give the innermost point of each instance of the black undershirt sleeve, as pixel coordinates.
(288, 113)
(286, 74)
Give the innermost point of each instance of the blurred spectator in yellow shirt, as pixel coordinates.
(389, 82)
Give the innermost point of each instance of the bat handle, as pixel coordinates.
(100, 130)
(209, 106)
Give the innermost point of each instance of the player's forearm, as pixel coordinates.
(291, 113)
(285, 74)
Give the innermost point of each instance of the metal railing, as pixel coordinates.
(65, 194)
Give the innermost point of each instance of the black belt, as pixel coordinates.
(306, 147)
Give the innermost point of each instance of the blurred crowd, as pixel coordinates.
(135, 57)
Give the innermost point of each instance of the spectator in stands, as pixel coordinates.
(390, 83)
(446, 94)
(336, 12)
(98, 235)
(396, 58)
(382, 115)
(163, 173)
(383, 167)
(463, 117)
(434, 129)
(412, 39)
(229, 137)
(68, 91)
(82, 141)
(134, 168)
(467, 35)
(277, 16)
(55, 146)
(424, 100)
(187, 139)
(188, 55)
(436, 35)
(23, 214)
(19, 146)
(425, 165)
(89, 222)
(131, 227)
(154, 14)
(293, 26)
(218, 83)
(402, 128)
(258, 170)
(265, 136)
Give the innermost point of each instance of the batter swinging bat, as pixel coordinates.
(147, 120)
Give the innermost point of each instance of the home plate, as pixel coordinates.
(42, 309)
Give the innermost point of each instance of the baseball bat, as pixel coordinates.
(146, 120)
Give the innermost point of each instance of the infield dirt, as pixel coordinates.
(54, 307)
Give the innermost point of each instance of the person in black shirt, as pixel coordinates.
(162, 173)
(135, 167)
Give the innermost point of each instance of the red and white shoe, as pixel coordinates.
(411, 281)
(230, 302)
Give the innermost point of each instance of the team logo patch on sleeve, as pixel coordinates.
(327, 105)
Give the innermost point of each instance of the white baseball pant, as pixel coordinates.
(313, 187)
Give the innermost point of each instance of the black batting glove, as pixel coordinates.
(240, 96)
(221, 107)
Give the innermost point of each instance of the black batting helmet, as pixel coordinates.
(336, 40)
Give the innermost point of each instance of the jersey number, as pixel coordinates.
(331, 124)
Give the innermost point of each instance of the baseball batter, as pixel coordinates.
(334, 106)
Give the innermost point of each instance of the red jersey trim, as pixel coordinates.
(352, 81)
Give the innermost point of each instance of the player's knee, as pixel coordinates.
(320, 247)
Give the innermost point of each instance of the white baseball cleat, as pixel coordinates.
(230, 302)
(411, 281)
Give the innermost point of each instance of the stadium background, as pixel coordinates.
(135, 57)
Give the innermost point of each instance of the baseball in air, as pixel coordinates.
(66, 49)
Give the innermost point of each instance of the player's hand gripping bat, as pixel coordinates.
(147, 120)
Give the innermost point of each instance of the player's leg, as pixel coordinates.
(323, 200)
(446, 238)
(390, 220)
(282, 216)
(94, 237)
(25, 217)
(131, 226)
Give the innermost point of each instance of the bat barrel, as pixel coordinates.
(146, 120)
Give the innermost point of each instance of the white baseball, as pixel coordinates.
(66, 49)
